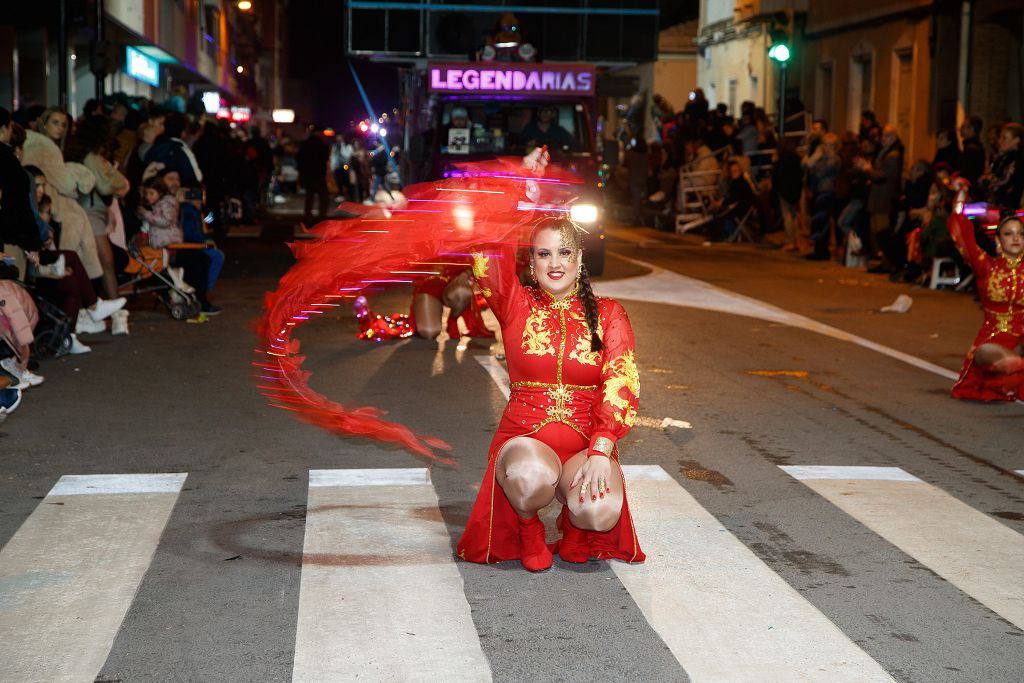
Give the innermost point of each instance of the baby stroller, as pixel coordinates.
(53, 331)
(149, 270)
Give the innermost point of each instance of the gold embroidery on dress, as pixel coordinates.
(623, 374)
(562, 396)
(536, 335)
(480, 262)
(996, 288)
(582, 353)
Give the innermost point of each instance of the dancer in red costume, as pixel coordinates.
(575, 390)
(452, 287)
(994, 367)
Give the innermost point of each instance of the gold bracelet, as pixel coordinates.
(602, 446)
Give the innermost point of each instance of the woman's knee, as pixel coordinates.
(990, 354)
(599, 516)
(528, 464)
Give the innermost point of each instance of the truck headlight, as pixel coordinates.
(583, 213)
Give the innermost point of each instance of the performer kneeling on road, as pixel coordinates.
(575, 391)
(994, 367)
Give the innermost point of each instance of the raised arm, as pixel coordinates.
(494, 269)
(615, 408)
(962, 231)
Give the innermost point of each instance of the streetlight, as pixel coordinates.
(244, 5)
(240, 68)
(780, 54)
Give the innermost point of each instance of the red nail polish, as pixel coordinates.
(581, 499)
(593, 497)
(602, 495)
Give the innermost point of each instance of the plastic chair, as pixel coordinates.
(937, 279)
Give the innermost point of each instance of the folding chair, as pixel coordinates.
(742, 232)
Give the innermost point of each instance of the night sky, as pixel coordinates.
(317, 56)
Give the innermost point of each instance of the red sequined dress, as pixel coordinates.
(562, 394)
(1001, 289)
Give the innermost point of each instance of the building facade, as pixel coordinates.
(921, 65)
(733, 41)
(157, 49)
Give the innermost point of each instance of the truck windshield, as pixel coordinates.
(512, 127)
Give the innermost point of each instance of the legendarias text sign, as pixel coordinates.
(525, 79)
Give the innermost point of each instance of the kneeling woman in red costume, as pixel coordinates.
(575, 391)
(994, 367)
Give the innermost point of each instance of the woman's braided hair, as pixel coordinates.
(590, 308)
(571, 237)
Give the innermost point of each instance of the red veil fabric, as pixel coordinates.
(440, 220)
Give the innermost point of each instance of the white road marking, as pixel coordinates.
(723, 612)
(1020, 472)
(380, 596)
(974, 552)
(85, 484)
(805, 472)
(399, 476)
(70, 573)
(645, 473)
(497, 372)
(665, 286)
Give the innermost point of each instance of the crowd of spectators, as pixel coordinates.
(83, 201)
(850, 196)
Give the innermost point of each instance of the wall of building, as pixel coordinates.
(897, 86)
(675, 78)
(739, 70)
(997, 61)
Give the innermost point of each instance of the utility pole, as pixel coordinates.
(62, 55)
(101, 77)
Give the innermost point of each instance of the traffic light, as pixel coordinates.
(780, 50)
(780, 53)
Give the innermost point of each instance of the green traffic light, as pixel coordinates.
(779, 52)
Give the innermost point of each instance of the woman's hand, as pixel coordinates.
(592, 478)
(536, 161)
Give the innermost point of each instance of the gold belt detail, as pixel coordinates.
(552, 385)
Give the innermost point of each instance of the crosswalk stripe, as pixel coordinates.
(380, 594)
(723, 612)
(70, 572)
(974, 552)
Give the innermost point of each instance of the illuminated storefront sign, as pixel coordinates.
(211, 101)
(144, 68)
(512, 79)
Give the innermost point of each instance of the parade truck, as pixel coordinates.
(480, 81)
(474, 111)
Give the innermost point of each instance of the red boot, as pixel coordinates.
(574, 545)
(536, 556)
(453, 328)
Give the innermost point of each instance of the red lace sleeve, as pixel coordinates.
(619, 394)
(494, 269)
(962, 231)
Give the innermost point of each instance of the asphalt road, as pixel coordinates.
(904, 570)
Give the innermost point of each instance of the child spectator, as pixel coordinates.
(193, 228)
(160, 228)
(22, 315)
